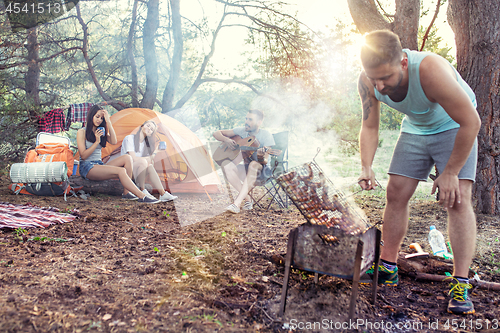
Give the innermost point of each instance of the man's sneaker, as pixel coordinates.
(129, 196)
(148, 194)
(167, 197)
(248, 205)
(385, 276)
(147, 199)
(460, 302)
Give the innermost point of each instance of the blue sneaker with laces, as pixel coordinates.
(460, 302)
(385, 276)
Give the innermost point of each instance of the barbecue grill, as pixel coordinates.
(337, 239)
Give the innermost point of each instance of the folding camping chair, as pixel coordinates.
(279, 165)
(44, 137)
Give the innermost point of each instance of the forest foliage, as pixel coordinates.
(145, 53)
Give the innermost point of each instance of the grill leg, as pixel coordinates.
(378, 237)
(355, 279)
(288, 263)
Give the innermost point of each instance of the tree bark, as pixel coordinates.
(406, 22)
(367, 18)
(175, 66)
(477, 34)
(109, 187)
(32, 76)
(130, 55)
(150, 62)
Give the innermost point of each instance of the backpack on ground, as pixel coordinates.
(45, 171)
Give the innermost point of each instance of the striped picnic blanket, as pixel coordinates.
(29, 216)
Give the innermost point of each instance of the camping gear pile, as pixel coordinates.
(29, 216)
(337, 239)
(46, 168)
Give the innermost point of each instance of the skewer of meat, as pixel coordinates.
(287, 176)
(322, 220)
(309, 177)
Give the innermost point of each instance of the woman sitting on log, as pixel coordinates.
(142, 147)
(91, 140)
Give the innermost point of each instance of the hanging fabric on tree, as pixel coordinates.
(77, 113)
(52, 122)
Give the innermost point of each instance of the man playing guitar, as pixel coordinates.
(244, 176)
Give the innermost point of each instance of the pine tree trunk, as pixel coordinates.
(406, 22)
(175, 66)
(150, 62)
(368, 17)
(32, 76)
(476, 25)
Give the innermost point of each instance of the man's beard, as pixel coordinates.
(249, 128)
(391, 90)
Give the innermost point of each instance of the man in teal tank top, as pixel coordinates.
(439, 128)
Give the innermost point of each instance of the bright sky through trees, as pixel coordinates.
(318, 15)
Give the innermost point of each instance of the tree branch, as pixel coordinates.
(203, 66)
(90, 67)
(424, 39)
(228, 81)
(40, 60)
(249, 85)
(366, 16)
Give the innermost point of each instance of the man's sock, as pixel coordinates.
(389, 265)
(462, 279)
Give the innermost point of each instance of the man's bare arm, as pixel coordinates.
(364, 94)
(368, 135)
(225, 136)
(440, 85)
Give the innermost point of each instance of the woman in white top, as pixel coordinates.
(142, 147)
(91, 140)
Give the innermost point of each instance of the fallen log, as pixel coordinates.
(439, 278)
(430, 265)
(109, 187)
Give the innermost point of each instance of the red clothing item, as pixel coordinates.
(52, 122)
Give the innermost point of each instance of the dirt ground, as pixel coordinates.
(129, 267)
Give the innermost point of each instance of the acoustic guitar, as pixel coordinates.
(245, 146)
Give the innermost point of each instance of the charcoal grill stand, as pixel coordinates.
(289, 261)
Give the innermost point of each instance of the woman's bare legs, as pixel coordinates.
(155, 179)
(141, 170)
(140, 166)
(117, 168)
(124, 161)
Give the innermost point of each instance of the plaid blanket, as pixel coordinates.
(29, 216)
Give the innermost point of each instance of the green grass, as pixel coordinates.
(345, 170)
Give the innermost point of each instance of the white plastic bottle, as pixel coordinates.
(436, 240)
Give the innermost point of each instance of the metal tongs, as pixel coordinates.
(376, 181)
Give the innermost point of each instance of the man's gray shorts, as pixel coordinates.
(415, 155)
